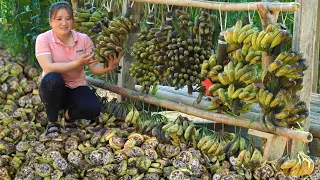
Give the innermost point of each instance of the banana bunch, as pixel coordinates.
(160, 38)
(210, 69)
(239, 36)
(281, 106)
(246, 54)
(213, 145)
(237, 87)
(111, 41)
(144, 69)
(250, 158)
(235, 146)
(81, 20)
(299, 166)
(272, 36)
(181, 131)
(118, 111)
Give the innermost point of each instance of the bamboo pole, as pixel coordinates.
(227, 6)
(222, 118)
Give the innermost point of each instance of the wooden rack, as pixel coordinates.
(268, 12)
(223, 118)
(227, 6)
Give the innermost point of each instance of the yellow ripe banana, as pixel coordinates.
(238, 66)
(239, 73)
(250, 56)
(274, 65)
(228, 36)
(244, 95)
(282, 56)
(248, 39)
(263, 97)
(222, 95)
(205, 65)
(252, 96)
(305, 164)
(212, 61)
(219, 150)
(245, 49)
(230, 66)
(232, 47)
(280, 37)
(207, 145)
(231, 76)
(294, 75)
(268, 99)
(246, 28)
(242, 36)
(276, 101)
(214, 146)
(203, 140)
(260, 37)
(223, 78)
(216, 68)
(238, 56)
(266, 41)
(295, 169)
(235, 34)
(236, 93)
(231, 90)
(256, 60)
(282, 114)
(240, 157)
(246, 76)
(254, 41)
(213, 88)
(129, 115)
(238, 25)
(248, 88)
(269, 28)
(283, 70)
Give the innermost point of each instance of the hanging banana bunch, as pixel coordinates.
(143, 68)
(281, 79)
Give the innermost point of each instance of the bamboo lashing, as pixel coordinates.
(222, 118)
(227, 6)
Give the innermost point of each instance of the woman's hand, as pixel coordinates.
(86, 59)
(113, 60)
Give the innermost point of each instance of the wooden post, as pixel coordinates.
(124, 79)
(306, 41)
(274, 147)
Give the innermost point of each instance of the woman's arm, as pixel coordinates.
(47, 65)
(98, 68)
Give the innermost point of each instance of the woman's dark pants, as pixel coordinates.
(81, 101)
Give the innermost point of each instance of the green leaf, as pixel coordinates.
(24, 1)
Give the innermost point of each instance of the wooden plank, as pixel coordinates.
(227, 6)
(305, 40)
(124, 79)
(275, 146)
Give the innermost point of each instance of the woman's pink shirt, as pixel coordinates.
(48, 43)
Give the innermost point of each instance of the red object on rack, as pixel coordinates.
(207, 83)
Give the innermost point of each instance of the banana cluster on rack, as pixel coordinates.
(113, 110)
(278, 99)
(213, 145)
(84, 20)
(111, 41)
(250, 158)
(299, 166)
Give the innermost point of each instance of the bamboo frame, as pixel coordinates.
(227, 6)
(226, 119)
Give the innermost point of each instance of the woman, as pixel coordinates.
(62, 54)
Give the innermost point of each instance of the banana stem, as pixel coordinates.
(221, 52)
(235, 106)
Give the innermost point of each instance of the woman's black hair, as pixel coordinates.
(60, 5)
